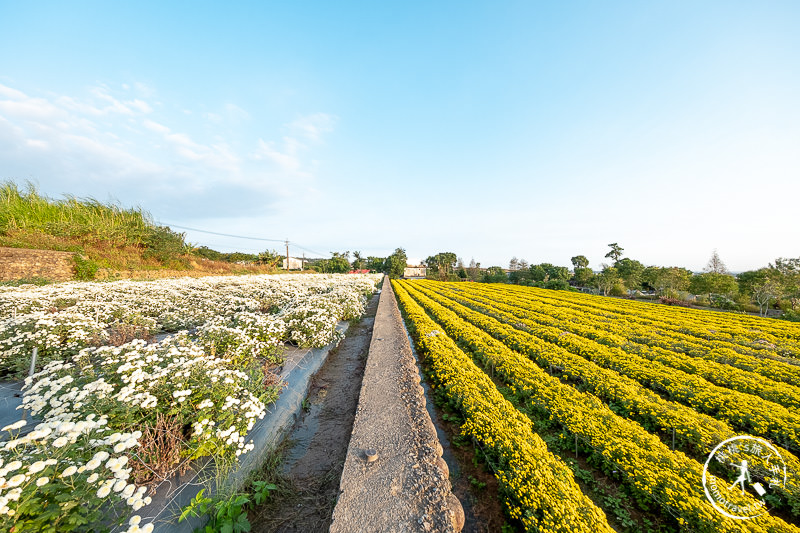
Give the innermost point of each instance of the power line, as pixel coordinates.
(244, 237)
(306, 249)
(224, 234)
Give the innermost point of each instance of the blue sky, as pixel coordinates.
(540, 130)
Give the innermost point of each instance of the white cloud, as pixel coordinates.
(106, 141)
(285, 159)
(312, 126)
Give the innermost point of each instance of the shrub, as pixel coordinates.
(85, 268)
(792, 316)
(618, 290)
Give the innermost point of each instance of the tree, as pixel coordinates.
(607, 279)
(474, 270)
(673, 278)
(716, 265)
(580, 261)
(513, 264)
(495, 274)
(764, 292)
(582, 276)
(339, 263)
(713, 283)
(749, 279)
(616, 252)
(269, 257)
(523, 264)
(545, 272)
(630, 270)
(359, 262)
(375, 264)
(441, 265)
(396, 263)
(788, 274)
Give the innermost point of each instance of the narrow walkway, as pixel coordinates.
(406, 488)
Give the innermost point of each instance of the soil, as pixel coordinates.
(315, 449)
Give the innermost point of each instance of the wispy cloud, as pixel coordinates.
(312, 127)
(121, 140)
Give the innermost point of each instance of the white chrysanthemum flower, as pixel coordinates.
(104, 491)
(42, 481)
(16, 425)
(16, 480)
(70, 470)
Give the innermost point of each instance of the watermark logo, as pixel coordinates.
(739, 472)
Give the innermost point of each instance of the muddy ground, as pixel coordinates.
(308, 466)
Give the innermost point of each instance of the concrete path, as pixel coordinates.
(394, 478)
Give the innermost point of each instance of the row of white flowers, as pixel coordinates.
(62, 319)
(74, 470)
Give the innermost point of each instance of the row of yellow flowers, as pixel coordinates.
(617, 336)
(749, 331)
(761, 360)
(670, 478)
(543, 493)
(697, 433)
(743, 411)
(648, 331)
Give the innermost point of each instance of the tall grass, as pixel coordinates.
(82, 223)
(28, 210)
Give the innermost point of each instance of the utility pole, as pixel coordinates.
(287, 254)
(303, 263)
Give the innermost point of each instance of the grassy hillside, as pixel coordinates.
(110, 240)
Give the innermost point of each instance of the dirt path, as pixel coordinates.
(315, 449)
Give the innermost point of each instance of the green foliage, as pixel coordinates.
(339, 263)
(226, 515)
(713, 283)
(630, 270)
(721, 301)
(359, 263)
(261, 491)
(580, 261)
(663, 279)
(792, 316)
(396, 263)
(85, 268)
(583, 276)
(26, 281)
(375, 264)
(557, 284)
(441, 265)
(75, 223)
(495, 274)
(618, 289)
(545, 272)
(616, 252)
(607, 279)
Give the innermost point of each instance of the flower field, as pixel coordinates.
(596, 413)
(136, 379)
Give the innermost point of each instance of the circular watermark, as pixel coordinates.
(748, 467)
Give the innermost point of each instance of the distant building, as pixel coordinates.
(295, 263)
(415, 272)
